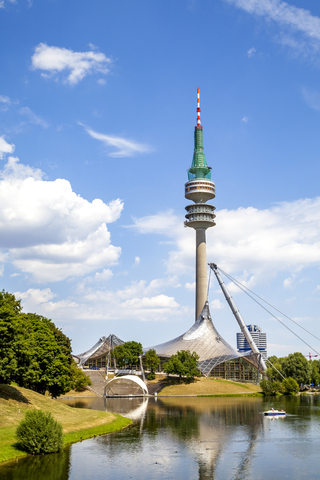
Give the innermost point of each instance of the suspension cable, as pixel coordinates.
(275, 368)
(244, 289)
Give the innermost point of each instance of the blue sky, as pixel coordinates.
(97, 112)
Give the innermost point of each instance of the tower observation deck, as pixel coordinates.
(199, 188)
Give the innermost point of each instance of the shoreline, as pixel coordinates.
(77, 424)
(70, 438)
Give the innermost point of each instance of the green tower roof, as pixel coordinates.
(199, 167)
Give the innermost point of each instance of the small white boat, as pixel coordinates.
(273, 412)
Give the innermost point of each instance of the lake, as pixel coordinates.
(190, 438)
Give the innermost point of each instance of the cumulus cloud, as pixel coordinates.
(137, 261)
(49, 231)
(37, 300)
(98, 277)
(5, 148)
(125, 148)
(291, 19)
(216, 304)
(284, 238)
(141, 299)
(33, 118)
(55, 60)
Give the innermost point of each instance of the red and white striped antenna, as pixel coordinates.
(198, 109)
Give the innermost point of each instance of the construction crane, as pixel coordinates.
(310, 356)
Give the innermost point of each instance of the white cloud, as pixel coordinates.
(5, 148)
(216, 304)
(134, 302)
(137, 261)
(102, 81)
(33, 118)
(55, 60)
(284, 238)
(251, 52)
(49, 231)
(36, 300)
(312, 98)
(5, 99)
(291, 19)
(244, 119)
(284, 14)
(98, 277)
(126, 148)
(190, 286)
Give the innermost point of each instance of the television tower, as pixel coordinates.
(199, 188)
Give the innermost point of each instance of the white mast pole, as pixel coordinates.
(237, 314)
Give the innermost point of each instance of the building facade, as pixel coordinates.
(259, 338)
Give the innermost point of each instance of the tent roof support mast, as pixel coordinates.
(236, 313)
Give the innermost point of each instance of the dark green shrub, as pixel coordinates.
(39, 432)
(79, 380)
(151, 376)
(290, 386)
(270, 388)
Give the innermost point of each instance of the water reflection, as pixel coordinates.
(188, 437)
(50, 467)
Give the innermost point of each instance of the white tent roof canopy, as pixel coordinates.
(204, 339)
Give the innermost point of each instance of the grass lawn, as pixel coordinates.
(208, 386)
(76, 393)
(78, 423)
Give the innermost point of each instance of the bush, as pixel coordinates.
(151, 376)
(270, 388)
(39, 432)
(290, 386)
(79, 380)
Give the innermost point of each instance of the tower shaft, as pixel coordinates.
(201, 271)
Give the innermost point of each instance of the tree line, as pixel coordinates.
(297, 371)
(34, 353)
(296, 366)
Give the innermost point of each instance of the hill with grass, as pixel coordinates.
(78, 424)
(207, 386)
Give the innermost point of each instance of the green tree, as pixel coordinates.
(152, 361)
(274, 368)
(289, 386)
(49, 369)
(34, 353)
(79, 380)
(297, 367)
(128, 353)
(10, 309)
(269, 387)
(315, 377)
(184, 364)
